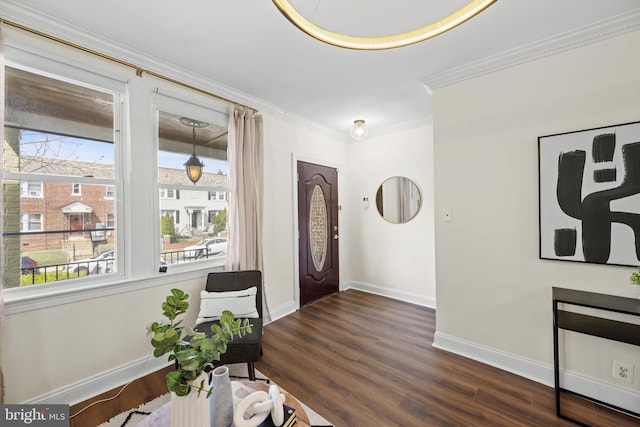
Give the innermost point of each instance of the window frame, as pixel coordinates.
(164, 193)
(110, 192)
(172, 103)
(25, 192)
(33, 60)
(28, 221)
(136, 184)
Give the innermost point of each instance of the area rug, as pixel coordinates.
(236, 372)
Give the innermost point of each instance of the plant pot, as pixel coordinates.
(191, 410)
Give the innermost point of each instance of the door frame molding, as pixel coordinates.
(295, 158)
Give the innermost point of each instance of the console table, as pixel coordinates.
(592, 325)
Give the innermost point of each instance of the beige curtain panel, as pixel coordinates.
(245, 206)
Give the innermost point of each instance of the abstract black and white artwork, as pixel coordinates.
(589, 190)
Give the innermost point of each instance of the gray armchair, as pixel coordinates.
(248, 348)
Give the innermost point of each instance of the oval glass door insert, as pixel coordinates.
(318, 231)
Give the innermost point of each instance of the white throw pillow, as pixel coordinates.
(241, 303)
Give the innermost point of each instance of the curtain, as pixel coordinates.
(245, 206)
(406, 199)
(1, 213)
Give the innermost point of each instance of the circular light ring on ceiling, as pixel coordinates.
(382, 42)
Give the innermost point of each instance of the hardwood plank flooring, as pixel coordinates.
(360, 359)
(135, 394)
(364, 360)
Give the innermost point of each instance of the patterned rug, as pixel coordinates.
(236, 372)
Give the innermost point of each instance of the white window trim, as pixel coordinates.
(134, 195)
(113, 220)
(24, 185)
(41, 62)
(113, 191)
(28, 221)
(164, 191)
(73, 189)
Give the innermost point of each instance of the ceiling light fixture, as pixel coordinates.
(359, 130)
(193, 166)
(461, 15)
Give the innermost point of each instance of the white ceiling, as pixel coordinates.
(250, 53)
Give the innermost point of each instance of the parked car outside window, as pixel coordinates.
(205, 248)
(102, 263)
(29, 265)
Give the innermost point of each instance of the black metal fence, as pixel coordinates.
(75, 269)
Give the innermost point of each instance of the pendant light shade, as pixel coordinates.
(359, 130)
(193, 166)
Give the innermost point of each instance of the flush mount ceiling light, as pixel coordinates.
(359, 130)
(461, 15)
(193, 166)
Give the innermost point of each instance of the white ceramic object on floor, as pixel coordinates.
(191, 410)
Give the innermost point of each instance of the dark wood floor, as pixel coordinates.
(363, 360)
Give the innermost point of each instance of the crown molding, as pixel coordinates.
(582, 36)
(298, 121)
(399, 127)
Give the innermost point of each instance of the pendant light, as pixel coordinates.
(193, 166)
(466, 12)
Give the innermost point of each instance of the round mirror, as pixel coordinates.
(398, 199)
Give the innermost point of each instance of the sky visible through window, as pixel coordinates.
(34, 143)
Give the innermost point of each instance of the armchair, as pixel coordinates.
(232, 290)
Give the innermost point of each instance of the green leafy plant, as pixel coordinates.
(192, 353)
(635, 278)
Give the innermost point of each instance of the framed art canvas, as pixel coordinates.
(589, 195)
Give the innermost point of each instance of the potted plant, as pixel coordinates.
(193, 352)
(635, 278)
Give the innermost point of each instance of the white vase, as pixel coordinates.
(191, 410)
(221, 400)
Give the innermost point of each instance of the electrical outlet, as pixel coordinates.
(622, 371)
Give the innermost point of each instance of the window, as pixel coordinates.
(31, 222)
(110, 192)
(30, 189)
(184, 207)
(217, 195)
(172, 213)
(72, 143)
(45, 136)
(111, 220)
(169, 193)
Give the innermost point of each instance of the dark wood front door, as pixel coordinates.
(318, 231)
(76, 224)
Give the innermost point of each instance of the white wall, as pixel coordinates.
(392, 259)
(493, 292)
(284, 144)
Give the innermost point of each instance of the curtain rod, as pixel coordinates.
(139, 70)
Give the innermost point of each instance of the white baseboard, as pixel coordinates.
(539, 372)
(105, 381)
(391, 293)
(120, 375)
(282, 310)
